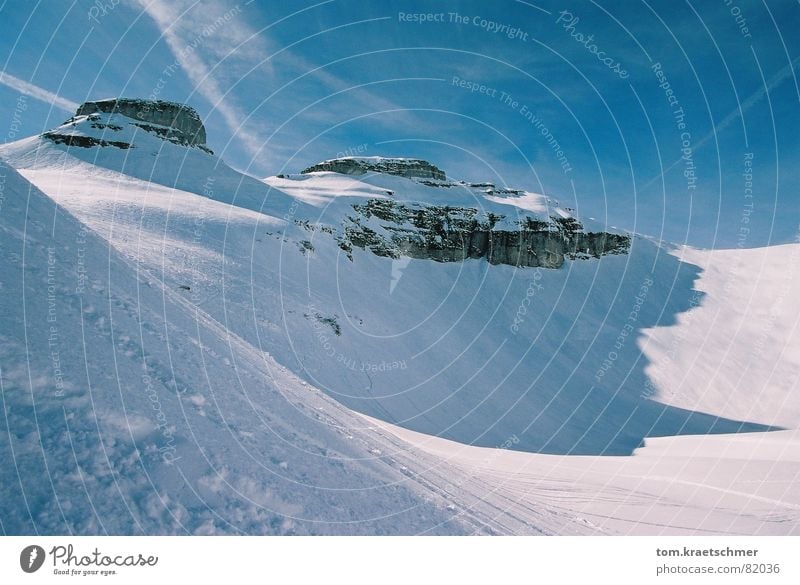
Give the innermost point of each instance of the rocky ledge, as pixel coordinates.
(453, 234)
(107, 123)
(412, 168)
(177, 122)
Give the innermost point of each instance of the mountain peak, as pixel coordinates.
(403, 167)
(181, 121)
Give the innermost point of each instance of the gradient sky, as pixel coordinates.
(282, 85)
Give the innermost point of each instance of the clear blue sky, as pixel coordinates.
(282, 85)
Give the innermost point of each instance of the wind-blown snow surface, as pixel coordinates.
(467, 351)
(127, 409)
(242, 275)
(738, 353)
(721, 485)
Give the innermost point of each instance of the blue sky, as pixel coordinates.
(283, 85)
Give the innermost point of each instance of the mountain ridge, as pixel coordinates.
(491, 348)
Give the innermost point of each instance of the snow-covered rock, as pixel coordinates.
(455, 234)
(336, 280)
(113, 123)
(264, 312)
(180, 120)
(402, 167)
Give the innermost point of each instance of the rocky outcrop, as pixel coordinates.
(524, 248)
(83, 141)
(175, 122)
(453, 234)
(403, 167)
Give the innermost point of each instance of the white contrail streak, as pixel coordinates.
(36, 92)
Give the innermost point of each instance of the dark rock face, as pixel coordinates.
(453, 234)
(523, 248)
(181, 123)
(83, 141)
(403, 167)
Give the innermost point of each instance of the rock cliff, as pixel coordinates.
(453, 234)
(175, 122)
(403, 167)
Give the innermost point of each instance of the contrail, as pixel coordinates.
(36, 92)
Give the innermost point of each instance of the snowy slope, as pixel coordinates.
(741, 484)
(129, 410)
(738, 352)
(467, 351)
(246, 302)
(145, 156)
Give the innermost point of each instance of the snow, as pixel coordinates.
(324, 188)
(587, 399)
(334, 193)
(458, 321)
(709, 485)
(738, 352)
(128, 410)
(532, 202)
